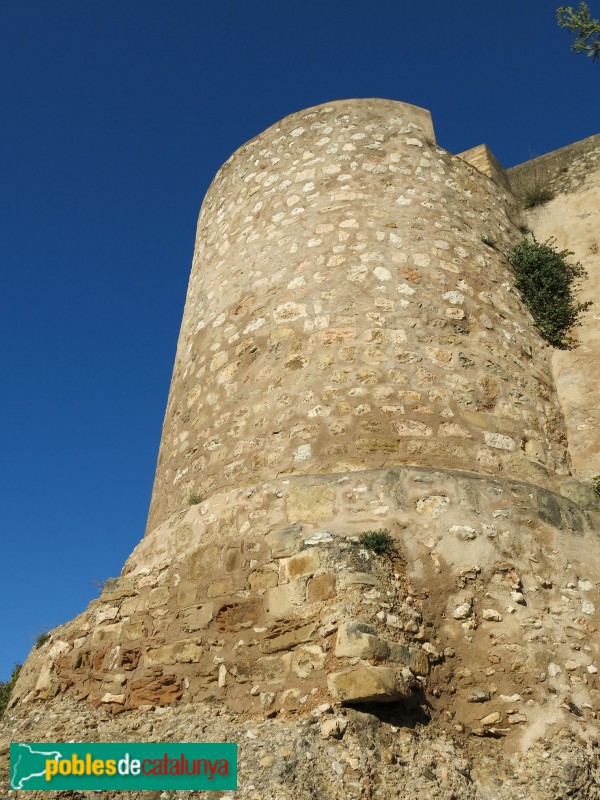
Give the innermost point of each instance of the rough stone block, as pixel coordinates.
(237, 616)
(194, 619)
(134, 629)
(286, 541)
(366, 684)
(267, 669)
(360, 640)
(156, 691)
(106, 634)
(184, 651)
(158, 597)
(220, 588)
(412, 657)
(233, 560)
(186, 593)
(349, 579)
(310, 504)
(322, 587)
(298, 566)
(285, 636)
(285, 600)
(264, 578)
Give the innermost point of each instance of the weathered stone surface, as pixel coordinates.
(354, 357)
(284, 637)
(158, 691)
(321, 587)
(360, 640)
(305, 563)
(310, 504)
(367, 684)
(286, 600)
(184, 651)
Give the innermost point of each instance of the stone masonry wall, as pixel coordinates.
(572, 217)
(343, 313)
(353, 359)
(263, 599)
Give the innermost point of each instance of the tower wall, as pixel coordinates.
(353, 361)
(343, 313)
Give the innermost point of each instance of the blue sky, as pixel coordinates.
(114, 119)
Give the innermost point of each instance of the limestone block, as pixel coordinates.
(310, 504)
(196, 618)
(320, 588)
(118, 589)
(186, 593)
(134, 629)
(366, 684)
(119, 699)
(233, 560)
(220, 588)
(158, 597)
(184, 536)
(285, 541)
(285, 636)
(106, 634)
(412, 657)
(298, 566)
(349, 579)
(360, 640)
(184, 651)
(264, 578)
(285, 600)
(204, 562)
(107, 614)
(268, 669)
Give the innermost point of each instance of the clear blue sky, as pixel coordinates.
(114, 118)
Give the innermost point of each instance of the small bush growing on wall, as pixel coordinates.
(546, 281)
(378, 541)
(7, 688)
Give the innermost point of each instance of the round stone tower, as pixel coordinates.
(350, 307)
(359, 496)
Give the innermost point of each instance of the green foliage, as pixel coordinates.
(546, 281)
(194, 499)
(586, 28)
(596, 484)
(6, 689)
(42, 639)
(536, 195)
(378, 541)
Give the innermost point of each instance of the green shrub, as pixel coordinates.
(42, 639)
(194, 499)
(546, 281)
(596, 484)
(378, 541)
(536, 195)
(6, 689)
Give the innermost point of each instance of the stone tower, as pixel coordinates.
(354, 359)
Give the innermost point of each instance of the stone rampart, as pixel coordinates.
(343, 313)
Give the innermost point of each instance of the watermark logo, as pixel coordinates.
(122, 766)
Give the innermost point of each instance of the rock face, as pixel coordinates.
(353, 358)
